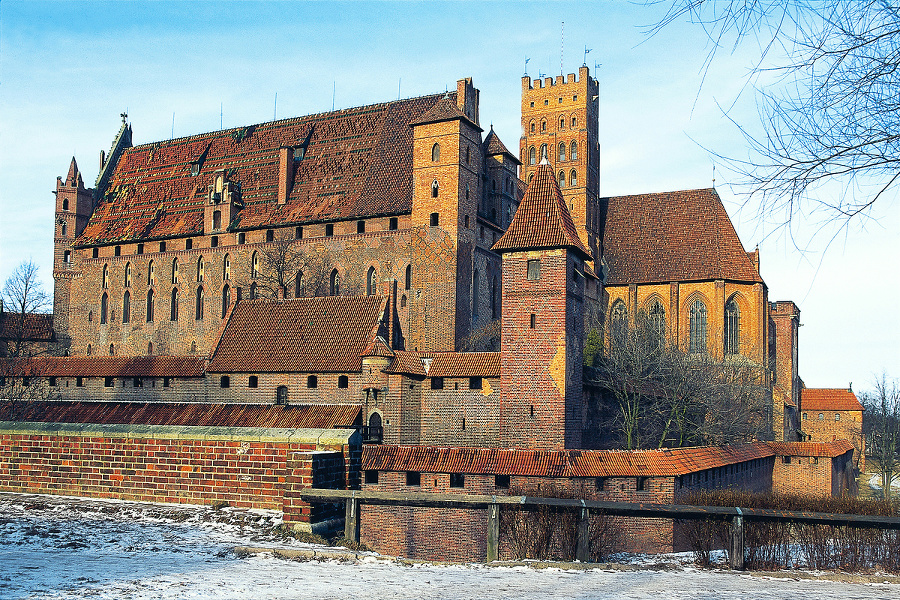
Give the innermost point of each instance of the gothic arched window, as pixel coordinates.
(573, 153)
(126, 307)
(226, 300)
(531, 155)
(173, 306)
(732, 327)
(476, 284)
(298, 285)
(436, 153)
(656, 317)
(105, 277)
(562, 179)
(408, 277)
(253, 291)
(697, 342)
(226, 267)
(200, 270)
(174, 271)
(434, 189)
(573, 178)
(151, 273)
(104, 308)
(254, 265)
(618, 322)
(149, 306)
(543, 151)
(127, 274)
(562, 151)
(335, 283)
(371, 282)
(198, 306)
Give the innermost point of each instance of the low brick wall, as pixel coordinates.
(243, 466)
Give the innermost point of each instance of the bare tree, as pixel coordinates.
(24, 299)
(279, 263)
(883, 429)
(832, 112)
(654, 395)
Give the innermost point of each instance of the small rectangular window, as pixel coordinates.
(118, 251)
(108, 382)
(786, 460)
(329, 229)
(167, 381)
(79, 381)
(457, 480)
(600, 483)
(51, 381)
(437, 383)
(312, 381)
(534, 270)
(162, 246)
(95, 253)
(214, 242)
(225, 381)
(140, 248)
(242, 237)
(67, 257)
(270, 235)
(343, 381)
(298, 233)
(138, 382)
(371, 477)
(360, 227)
(253, 382)
(474, 383)
(413, 478)
(188, 244)
(392, 224)
(501, 482)
(434, 219)
(533, 320)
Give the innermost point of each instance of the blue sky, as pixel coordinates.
(67, 69)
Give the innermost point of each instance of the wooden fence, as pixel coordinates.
(735, 515)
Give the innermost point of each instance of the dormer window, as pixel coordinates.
(195, 168)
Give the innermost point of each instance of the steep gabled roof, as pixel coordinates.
(32, 327)
(829, 399)
(444, 110)
(542, 219)
(672, 236)
(465, 364)
(357, 163)
(319, 416)
(302, 335)
(494, 147)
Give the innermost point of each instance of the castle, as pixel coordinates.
(265, 292)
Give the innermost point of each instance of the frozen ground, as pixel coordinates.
(53, 547)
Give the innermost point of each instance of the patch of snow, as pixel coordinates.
(875, 482)
(69, 548)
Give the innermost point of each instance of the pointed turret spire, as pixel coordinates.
(74, 175)
(543, 219)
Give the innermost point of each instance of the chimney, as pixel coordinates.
(285, 173)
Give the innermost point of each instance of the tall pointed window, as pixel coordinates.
(173, 306)
(335, 283)
(562, 151)
(174, 271)
(531, 156)
(151, 273)
(127, 274)
(436, 153)
(254, 265)
(573, 178)
(656, 317)
(62, 229)
(298, 285)
(104, 308)
(732, 327)
(226, 267)
(198, 307)
(253, 291)
(543, 151)
(200, 270)
(562, 179)
(573, 153)
(697, 342)
(126, 307)
(149, 306)
(618, 323)
(407, 279)
(371, 282)
(105, 277)
(434, 189)
(226, 300)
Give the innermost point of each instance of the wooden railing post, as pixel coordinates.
(583, 545)
(493, 532)
(736, 549)
(351, 519)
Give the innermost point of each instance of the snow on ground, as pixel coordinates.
(56, 547)
(875, 483)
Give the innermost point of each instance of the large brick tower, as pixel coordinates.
(543, 323)
(447, 172)
(560, 122)
(74, 205)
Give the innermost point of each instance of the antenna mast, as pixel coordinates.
(275, 110)
(562, 44)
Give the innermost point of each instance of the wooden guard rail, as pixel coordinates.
(736, 515)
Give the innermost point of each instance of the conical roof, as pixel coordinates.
(73, 176)
(542, 219)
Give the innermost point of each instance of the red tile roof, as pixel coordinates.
(301, 335)
(542, 219)
(113, 366)
(827, 449)
(408, 363)
(444, 110)
(465, 364)
(493, 146)
(559, 463)
(357, 163)
(378, 347)
(34, 327)
(672, 236)
(327, 416)
(829, 399)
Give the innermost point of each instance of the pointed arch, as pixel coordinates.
(198, 304)
(573, 178)
(254, 265)
(435, 188)
(476, 284)
(573, 152)
(531, 156)
(104, 308)
(561, 179)
(732, 333)
(126, 307)
(298, 285)
(226, 300)
(175, 271)
(173, 306)
(562, 150)
(618, 322)
(105, 280)
(200, 269)
(407, 279)
(436, 152)
(656, 319)
(697, 315)
(149, 348)
(226, 267)
(335, 283)
(371, 282)
(150, 306)
(128, 274)
(151, 273)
